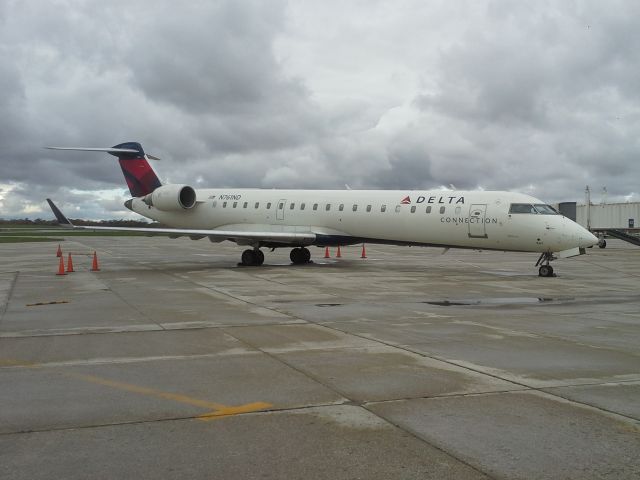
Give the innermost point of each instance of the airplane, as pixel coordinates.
(297, 219)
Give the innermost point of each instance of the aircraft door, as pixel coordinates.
(477, 225)
(280, 209)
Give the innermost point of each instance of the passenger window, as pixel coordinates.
(341, 207)
(413, 209)
(302, 206)
(355, 208)
(268, 205)
(257, 204)
(398, 208)
(292, 206)
(235, 204)
(458, 210)
(315, 206)
(328, 207)
(224, 204)
(281, 206)
(442, 209)
(214, 204)
(368, 208)
(245, 204)
(428, 209)
(383, 208)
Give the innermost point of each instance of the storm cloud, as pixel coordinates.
(538, 97)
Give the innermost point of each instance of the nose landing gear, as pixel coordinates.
(545, 269)
(602, 243)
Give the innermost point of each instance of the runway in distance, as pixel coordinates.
(297, 219)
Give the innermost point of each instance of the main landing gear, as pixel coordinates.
(545, 269)
(252, 257)
(300, 255)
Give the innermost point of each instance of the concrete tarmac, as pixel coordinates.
(174, 362)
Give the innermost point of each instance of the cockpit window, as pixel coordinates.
(538, 208)
(545, 209)
(522, 208)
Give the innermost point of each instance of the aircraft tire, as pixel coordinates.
(297, 256)
(546, 271)
(252, 258)
(248, 257)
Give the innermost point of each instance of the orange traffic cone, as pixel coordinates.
(364, 252)
(61, 267)
(338, 255)
(70, 264)
(326, 252)
(94, 266)
(59, 252)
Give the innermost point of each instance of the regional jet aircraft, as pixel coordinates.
(297, 219)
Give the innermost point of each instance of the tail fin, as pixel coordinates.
(140, 177)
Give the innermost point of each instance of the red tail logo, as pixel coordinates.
(406, 200)
(140, 177)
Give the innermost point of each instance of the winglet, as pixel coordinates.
(62, 220)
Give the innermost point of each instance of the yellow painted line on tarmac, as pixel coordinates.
(228, 411)
(10, 362)
(217, 409)
(148, 391)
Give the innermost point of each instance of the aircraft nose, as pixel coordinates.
(576, 235)
(586, 238)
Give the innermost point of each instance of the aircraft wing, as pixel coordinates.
(241, 237)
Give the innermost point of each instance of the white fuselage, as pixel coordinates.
(459, 219)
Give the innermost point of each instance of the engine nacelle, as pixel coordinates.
(171, 198)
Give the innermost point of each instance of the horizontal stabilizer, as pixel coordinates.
(140, 177)
(112, 150)
(96, 149)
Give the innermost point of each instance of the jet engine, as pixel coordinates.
(171, 198)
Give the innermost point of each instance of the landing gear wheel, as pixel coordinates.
(299, 256)
(296, 256)
(252, 258)
(602, 243)
(546, 271)
(248, 258)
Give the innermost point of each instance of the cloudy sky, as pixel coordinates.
(541, 97)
